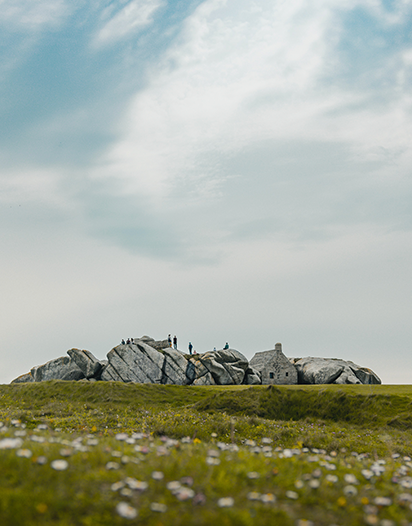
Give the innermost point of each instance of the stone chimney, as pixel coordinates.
(278, 347)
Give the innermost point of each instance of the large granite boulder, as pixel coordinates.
(174, 367)
(64, 368)
(86, 361)
(333, 371)
(136, 362)
(252, 377)
(226, 367)
(156, 344)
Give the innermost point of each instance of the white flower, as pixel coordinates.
(121, 436)
(253, 475)
(126, 511)
(254, 495)
(268, 498)
(11, 443)
(226, 502)
(350, 490)
(350, 479)
(25, 453)
(112, 465)
(157, 475)
(158, 507)
(292, 495)
(59, 465)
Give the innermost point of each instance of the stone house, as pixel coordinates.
(274, 367)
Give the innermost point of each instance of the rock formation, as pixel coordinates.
(333, 371)
(149, 361)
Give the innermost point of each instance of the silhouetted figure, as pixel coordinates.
(169, 340)
(123, 342)
(190, 347)
(128, 341)
(175, 342)
(226, 346)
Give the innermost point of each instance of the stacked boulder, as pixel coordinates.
(146, 360)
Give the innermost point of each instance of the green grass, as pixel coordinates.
(278, 440)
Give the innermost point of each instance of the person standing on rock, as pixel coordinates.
(175, 342)
(190, 347)
(226, 346)
(169, 340)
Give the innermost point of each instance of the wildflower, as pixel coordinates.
(214, 435)
(197, 441)
(292, 495)
(188, 481)
(184, 494)
(350, 490)
(10, 443)
(371, 520)
(350, 479)
(126, 492)
(157, 475)
(226, 502)
(173, 486)
(253, 475)
(367, 473)
(331, 478)
(92, 442)
(212, 461)
(406, 482)
(304, 522)
(299, 484)
(66, 452)
(117, 485)
(122, 436)
(199, 499)
(268, 498)
(314, 483)
(59, 465)
(41, 507)
(158, 507)
(254, 495)
(383, 501)
(24, 453)
(125, 459)
(136, 484)
(127, 512)
(41, 460)
(112, 465)
(341, 502)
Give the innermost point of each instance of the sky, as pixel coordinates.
(222, 170)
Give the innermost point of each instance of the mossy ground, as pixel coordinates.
(285, 455)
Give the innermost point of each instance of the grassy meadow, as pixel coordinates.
(108, 453)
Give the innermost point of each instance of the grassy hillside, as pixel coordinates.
(170, 454)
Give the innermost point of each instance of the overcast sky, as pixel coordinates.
(222, 170)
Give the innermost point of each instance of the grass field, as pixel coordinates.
(107, 453)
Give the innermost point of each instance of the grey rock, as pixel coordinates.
(252, 377)
(63, 368)
(366, 376)
(206, 379)
(174, 367)
(227, 366)
(136, 362)
(86, 361)
(24, 378)
(332, 370)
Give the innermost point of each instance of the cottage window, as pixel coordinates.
(287, 374)
(271, 375)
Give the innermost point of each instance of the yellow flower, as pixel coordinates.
(341, 502)
(197, 441)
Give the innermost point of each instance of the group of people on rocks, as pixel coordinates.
(171, 340)
(127, 342)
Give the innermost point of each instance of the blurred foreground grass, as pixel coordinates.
(174, 455)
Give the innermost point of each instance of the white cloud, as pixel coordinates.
(134, 16)
(23, 15)
(241, 73)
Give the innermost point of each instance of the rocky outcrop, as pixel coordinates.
(152, 361)
(333, 371)
(86, 362)
(64, 368)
